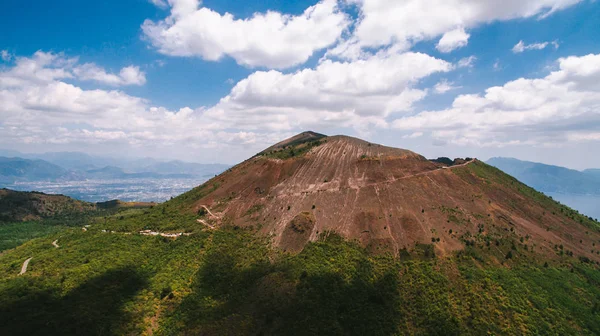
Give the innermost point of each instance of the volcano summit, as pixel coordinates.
(390, 200)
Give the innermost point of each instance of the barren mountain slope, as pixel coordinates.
(389, 199)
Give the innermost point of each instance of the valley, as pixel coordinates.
(97, 190)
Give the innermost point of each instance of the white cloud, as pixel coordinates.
(39, 107)
(270, 39)
(563, 106)
(130, 75)
(159, 3)
(521, 46)
(42, 67)
(343, 94)
(402, 23)
(452, 40)
(497, 66)
(444, 86)
(467, 62)
(5, 55)
(46, 67)
(413, 135)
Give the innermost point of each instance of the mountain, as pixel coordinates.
(318, 235)
(75, 166)
(17, 206)
(10, 153)
(549, 178)
(17, 169)
(592, 172)
(73, 160)
(387, 199)
(106, 172)
(24, 206)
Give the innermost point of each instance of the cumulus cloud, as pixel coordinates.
(40, 68)
(452, 40)
(273, 40)
(521, 46)
(130, 75)
(45, 67)
(39, 106)
(402, 23)
(563, 106)
(344, 94)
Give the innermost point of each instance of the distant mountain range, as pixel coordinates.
(63, 166)
(548, 178)
(16, 169)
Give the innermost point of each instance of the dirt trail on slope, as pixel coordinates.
(210, 213)
(418, 174)
(24, 267)
(155, 233)
(212, 227)
(55, 243)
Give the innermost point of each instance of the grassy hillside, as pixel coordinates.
(15, 234)
(28, 215)
(23, 206)
(230, 282)
(495, 177)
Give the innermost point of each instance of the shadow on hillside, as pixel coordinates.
(268, 299)
(94, 308)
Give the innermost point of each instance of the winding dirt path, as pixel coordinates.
(155, 233)
(212, 227)
(55, 243)
(209, 212)
(419, 174)
(24, 267)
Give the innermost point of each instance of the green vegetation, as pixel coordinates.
(50, 214)
(22, 206)
(230, 281)
(15, 234)
(494, 175)
(293, 150)
(254, 209)
(109, 280)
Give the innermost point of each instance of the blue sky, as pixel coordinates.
(181, 79)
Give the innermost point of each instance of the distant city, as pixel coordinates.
(93, 179)
(96, 190)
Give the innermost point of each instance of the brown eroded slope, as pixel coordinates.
(389, 199)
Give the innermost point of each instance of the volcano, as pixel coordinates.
(390, 200)
(315, 235)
